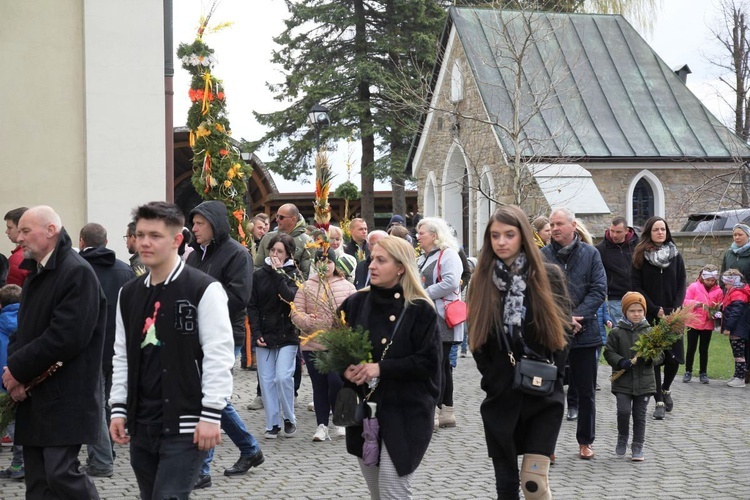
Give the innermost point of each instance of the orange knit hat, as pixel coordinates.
(631, 298)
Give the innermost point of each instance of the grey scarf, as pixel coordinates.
(511, 281)
(661, 256)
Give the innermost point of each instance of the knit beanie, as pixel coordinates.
(631, 298)
(346, 264)
(743, 227)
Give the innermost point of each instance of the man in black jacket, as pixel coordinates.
(223, 258)
(173, 360)
(112, 274)
(616, 251)
(586, 282)
(62, 319)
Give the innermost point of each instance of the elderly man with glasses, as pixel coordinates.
(291, 222)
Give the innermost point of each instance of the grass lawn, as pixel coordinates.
(720, 359)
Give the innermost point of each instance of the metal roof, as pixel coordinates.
(591, 87)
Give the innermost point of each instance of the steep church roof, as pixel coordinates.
(591, 88)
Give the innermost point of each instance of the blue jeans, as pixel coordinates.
(17, 460)
(276, 375)
(164, 466)
(100, 455)
(615, 310)
(237, 432)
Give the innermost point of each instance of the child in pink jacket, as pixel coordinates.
(706, 295)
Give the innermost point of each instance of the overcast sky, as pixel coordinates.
(680, 36)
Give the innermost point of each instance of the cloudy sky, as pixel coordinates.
(681, 35)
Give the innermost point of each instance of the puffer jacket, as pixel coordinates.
(587, 285)
(315, 304)
(269, 308)
(638, 380)
(697, 296)
(735, 312)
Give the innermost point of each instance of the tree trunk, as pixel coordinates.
(365, 125)
(398, 197)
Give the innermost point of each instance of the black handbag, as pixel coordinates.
(534, 377)
(532, 374)
(349, 408)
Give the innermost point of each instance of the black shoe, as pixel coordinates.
(572, 413)
(202, 482)
(660, 411)
(290, 429)
(92, 471)
(244, 464)
(668, 403)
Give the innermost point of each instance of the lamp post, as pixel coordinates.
(318, 118)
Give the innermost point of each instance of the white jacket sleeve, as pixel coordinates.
(217, 342)
(118, 396)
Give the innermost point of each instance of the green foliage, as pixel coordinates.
(219, 173)
(663, 335)
(346, 55)
(345, 346)
(347, 190)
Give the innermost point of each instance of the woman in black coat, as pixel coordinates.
(659, 275)
(406, 368)
(275, 337)
(515, 295)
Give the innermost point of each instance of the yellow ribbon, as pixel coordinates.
(206, 91)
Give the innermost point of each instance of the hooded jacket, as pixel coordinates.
(112, 275)
(225, 260)
(617, 259)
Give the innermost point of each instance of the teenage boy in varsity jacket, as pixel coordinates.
(173, 355)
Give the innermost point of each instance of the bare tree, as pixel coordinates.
(732, 34)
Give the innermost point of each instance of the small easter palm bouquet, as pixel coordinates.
(8, 406)
(652, 344)
(344, 346)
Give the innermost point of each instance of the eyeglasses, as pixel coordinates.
(125, 237)
(282, 217)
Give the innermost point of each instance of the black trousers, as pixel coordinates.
(583, 370)
(693, 338)
(52, 472)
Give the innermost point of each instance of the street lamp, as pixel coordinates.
(318, 118)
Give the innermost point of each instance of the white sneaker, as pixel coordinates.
(310, 406)
(321, 434)
(736, 382)
(336, 431)
(256, 404)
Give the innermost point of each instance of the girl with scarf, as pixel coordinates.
(515, 294)
(658, 274)
(738, 257)
(703, 295)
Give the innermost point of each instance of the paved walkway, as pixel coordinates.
(701, 451)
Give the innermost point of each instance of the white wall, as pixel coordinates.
(83, 110)
(124, 129)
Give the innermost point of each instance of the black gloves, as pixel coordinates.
(624, 364)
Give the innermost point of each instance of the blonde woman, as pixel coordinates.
(404, 370)
(440, 268)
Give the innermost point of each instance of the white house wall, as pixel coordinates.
(83, 110)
